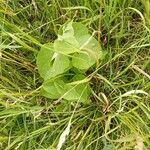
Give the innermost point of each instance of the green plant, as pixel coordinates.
(64, 63)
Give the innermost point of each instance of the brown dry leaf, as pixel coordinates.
(139, 143)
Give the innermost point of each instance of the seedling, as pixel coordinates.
(63, 64)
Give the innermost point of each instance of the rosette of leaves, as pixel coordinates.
(74, 49)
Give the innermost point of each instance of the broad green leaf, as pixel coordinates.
(77, 92)
(44, 59)
(90, 43)
(80, 33)
(83, 37)
(83, 61)
(68, 35)
(86, 60)
(53, 89)
(86, 41)
(60, 65)
(79, 30)
(91, 53)
(71, 93)
(62, 47)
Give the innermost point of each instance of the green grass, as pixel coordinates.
(119, 112)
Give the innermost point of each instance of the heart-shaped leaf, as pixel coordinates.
(60, 65)
(68, 35)
(90, 50)
(66, 42)
(78, 27)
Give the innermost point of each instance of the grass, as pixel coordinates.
(118, 116)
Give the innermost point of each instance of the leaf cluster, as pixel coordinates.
(63, 64)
